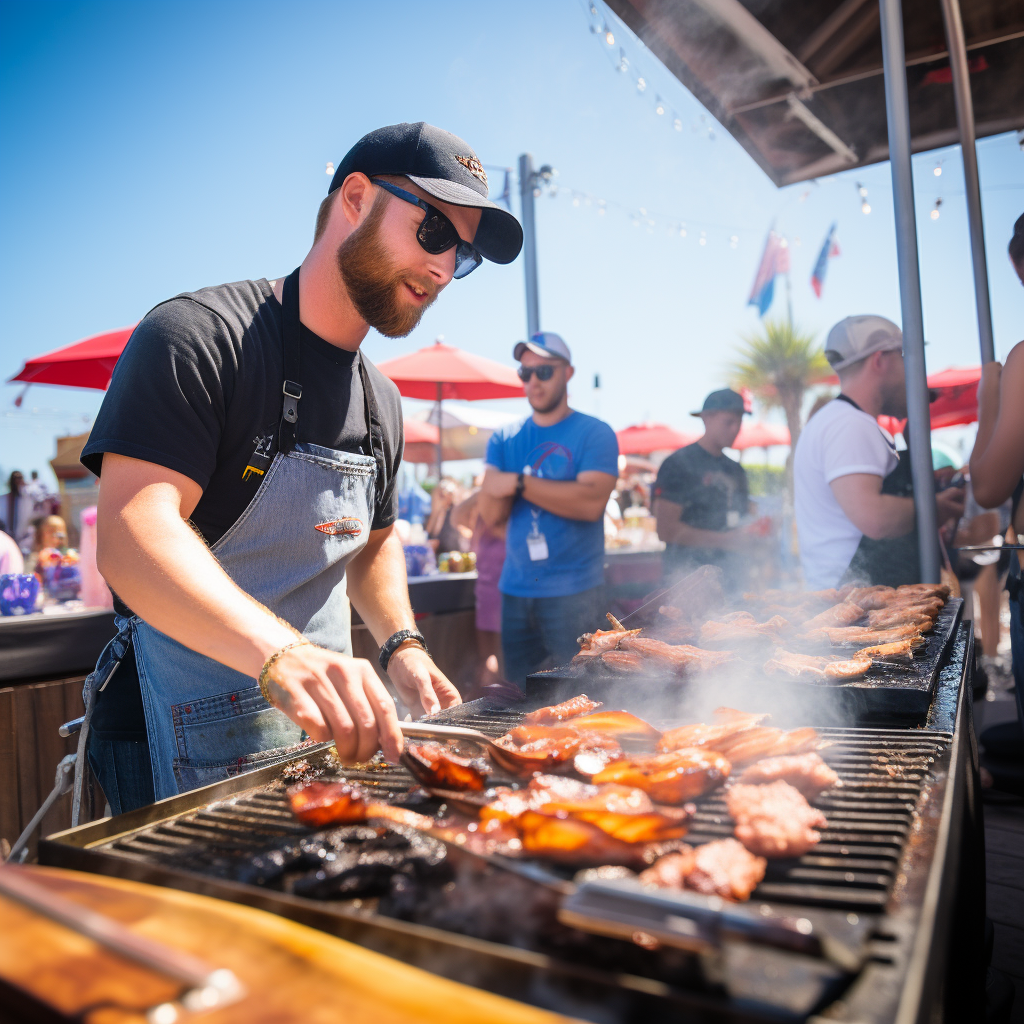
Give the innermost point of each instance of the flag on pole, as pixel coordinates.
(828, 250)
(774, 261)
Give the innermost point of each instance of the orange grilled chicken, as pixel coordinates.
(558, 713)
(729, 722)
(806, 773)
(846, 613)
(902, 649)
(805, 665)
(669, 778)
(432, 764)
(774, 820)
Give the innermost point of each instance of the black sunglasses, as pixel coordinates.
(544, 372)
(436, 233)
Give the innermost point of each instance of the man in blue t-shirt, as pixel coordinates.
(549, 479)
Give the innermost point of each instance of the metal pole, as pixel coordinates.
(526, 184)
(440, 432)
(897, 111)
(957, 47)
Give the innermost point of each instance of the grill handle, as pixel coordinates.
(624, 909)
(205, 987)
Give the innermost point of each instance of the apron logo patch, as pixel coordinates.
(350, 527)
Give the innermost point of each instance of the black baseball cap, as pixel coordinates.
(726, 399)
(446, 167)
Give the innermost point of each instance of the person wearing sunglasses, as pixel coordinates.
(548, 481)
(249, 454)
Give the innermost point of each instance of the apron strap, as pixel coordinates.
(379, 447)
(291, 389)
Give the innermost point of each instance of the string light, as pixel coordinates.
(677, 122)
(703, 238)
(935, 209)
(733, 241)
(608, 37)
(938, 169)
(865, 206)
(659, 107)
(623, 61)
(641, 84)
(330, 169)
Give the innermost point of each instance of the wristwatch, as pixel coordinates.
(395, 641)
(520, 486)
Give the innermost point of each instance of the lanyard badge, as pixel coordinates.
(536, 542)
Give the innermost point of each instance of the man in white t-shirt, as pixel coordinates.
(843, 457)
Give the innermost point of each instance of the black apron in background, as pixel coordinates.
(893, 561)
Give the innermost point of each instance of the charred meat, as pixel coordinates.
(593, 645)
(805, 665)
(807, 773)
(723, 868)
(901, 649)
(846, 613)
(774, 820)
(754, 744)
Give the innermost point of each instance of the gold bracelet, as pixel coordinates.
(269, 664)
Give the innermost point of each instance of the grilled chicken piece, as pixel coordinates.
(626, 662)
(677, 658)
(869, 598)
(670, 871)
(797, 665)
(594, 644)
(541, 748)
(729, 723)
(318, 804)
(930, 589)
(669, 778)
(846, 613)
(725, 868)
(862, 635)
(742, 631)
(807, 773)
(434, 765)
(755, 744)
(774, 820)
(616, 723)
(568, 840)
(558, 713)
(902, 649)
(902, 615)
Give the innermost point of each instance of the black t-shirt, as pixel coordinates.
(199, 384)
(708, 487)
(196, 388)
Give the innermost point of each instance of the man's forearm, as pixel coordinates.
(378, 586)
(165, 573)
(892, 517)
(494, 511)
(566, 498)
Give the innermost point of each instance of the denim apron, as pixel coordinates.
(289, 549)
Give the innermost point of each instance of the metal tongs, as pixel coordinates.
(434, 731)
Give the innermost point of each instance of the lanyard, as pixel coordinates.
(891, 444)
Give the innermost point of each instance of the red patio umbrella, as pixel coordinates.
(760, 435)
(443, 371)
(86, 364)
(644, 438)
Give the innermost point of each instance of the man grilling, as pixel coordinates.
(249, 454)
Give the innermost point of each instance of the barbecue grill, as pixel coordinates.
(882, 881)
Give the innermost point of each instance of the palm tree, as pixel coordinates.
(778, 366)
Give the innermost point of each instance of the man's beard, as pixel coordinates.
(894, 400)
(372, 282)
(552, 405)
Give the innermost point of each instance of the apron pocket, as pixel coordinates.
(227, 734)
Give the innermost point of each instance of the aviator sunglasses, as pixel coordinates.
(545, 372)
(437, 234)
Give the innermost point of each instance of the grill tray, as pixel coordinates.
(886, 694)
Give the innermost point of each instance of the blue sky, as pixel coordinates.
(152, 148)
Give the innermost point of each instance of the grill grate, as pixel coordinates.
(883, 773)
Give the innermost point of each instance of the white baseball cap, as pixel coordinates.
(545, 344)
(857, 337)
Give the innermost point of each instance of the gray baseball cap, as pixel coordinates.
(725, 400)
(546, 344)
(857, 337)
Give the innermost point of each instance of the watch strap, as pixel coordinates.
(395, 641)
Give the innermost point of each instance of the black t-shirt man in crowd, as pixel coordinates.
(248, 456)
(701, 495)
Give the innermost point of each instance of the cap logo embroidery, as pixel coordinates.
(474, 167)
(350, 527)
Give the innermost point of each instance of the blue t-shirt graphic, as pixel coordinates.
(575, 562)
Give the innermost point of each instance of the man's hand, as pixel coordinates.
(497, 484)
(333, 696)
(950, 504)
(419, 681)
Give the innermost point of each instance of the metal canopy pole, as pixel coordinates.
(957, 46)
(897, 111)
(526, 187)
